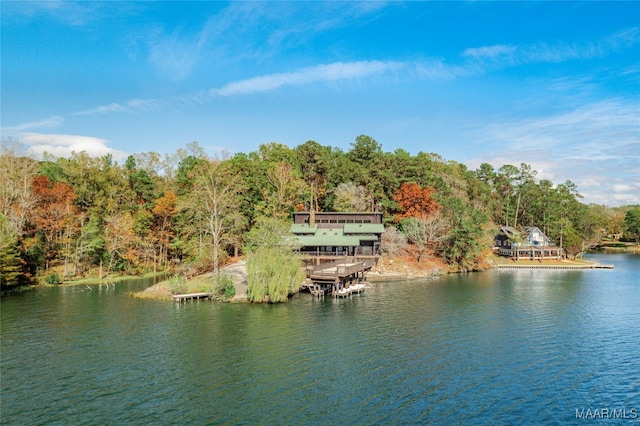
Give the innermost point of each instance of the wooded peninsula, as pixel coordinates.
(185, 213)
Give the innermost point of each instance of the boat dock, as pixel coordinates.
(340, 278)
(564, 267)
(192, 296)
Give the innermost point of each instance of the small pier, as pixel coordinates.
(565, 267)
(192, 296)
(340, 278)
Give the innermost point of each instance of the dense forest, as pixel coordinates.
(65, 218)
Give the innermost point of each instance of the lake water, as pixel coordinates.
(498, 347)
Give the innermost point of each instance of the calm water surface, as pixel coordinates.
(501, 347)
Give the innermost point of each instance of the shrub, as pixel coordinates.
(53, 278)
(225, 288)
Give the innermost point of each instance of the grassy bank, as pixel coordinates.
(163, 290)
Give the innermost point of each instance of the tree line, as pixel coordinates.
(65, 218)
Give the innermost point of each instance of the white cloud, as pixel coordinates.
(512, 55)
(49, 122)
(72, 13)
(62, 145)
(250, 31)
(321, 73)
(131, 106)
(176, 54)
(489, 51)
(596, 146)
(620, 187)
(174, 57)
(438, 70)
(588, 128)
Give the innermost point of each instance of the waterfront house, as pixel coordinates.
(532, 244)
(327, 235)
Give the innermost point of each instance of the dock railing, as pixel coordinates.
(339, 268)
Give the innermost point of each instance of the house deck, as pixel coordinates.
(339, 278)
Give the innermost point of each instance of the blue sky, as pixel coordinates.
(553, 84)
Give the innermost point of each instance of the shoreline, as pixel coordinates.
(238, 273)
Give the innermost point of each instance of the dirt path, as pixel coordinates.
(238, 272)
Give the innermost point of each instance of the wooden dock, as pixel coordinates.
(565, 267)
(340, 278)
(191, 296)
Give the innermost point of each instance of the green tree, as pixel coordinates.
(141, 185)
(370, 171)
(314, 160)
(250, 171)
(183, 177)
(285, 189)
(274, 152)
(268, 232)
(504, 185)
(10, 261)
(90, 249)
(632, 224)
(365, 150)
(468, 241)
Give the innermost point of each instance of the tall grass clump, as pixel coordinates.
(273, 273)
(177, 284)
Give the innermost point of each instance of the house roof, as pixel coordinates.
(347, 235)
(531, 229)
(303, 228)
(509, 231)
(363, 228)
(513, 233)
(338, 213)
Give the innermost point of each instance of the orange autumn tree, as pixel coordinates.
(55, 216)
(415, 201)
(423, 224)
(164, 212)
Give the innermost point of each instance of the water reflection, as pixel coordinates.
(474, 348)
